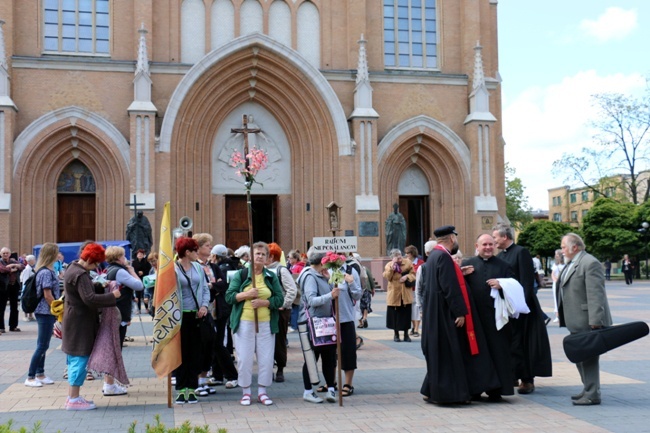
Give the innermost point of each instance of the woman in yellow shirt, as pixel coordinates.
(265, 298)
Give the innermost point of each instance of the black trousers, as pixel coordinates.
(328, 356)
(222, 363)
(280, 354)
(187, 374)
(9, 292)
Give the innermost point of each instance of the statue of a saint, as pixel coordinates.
(395, 230)
(138, 232)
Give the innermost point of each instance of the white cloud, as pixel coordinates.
(614, 24)
(542, 123)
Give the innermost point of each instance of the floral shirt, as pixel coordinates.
(46, 279)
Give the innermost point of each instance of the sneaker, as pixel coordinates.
(80, 404)
(202, 391)
(33, 383)
(114, 389)
(180, 398)
(45, 380)
(331, 396)
(312, 398)
(191, 398)
(231, 384)
(173, 381)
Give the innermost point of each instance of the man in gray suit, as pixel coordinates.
(582, 283)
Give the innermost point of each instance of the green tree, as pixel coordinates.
(610, 229)
(517, 209)
(543, 237)
(622, 135)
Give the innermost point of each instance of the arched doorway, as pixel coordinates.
(413, 189)
(75, 191)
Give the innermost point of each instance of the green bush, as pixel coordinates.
(8, 428)
(159, 427)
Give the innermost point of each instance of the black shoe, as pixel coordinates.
(578, 396)
(586, 402)
(180, 398)
(407, 339)
(279, 376)
(191, 398)
(526, 388)
(365, 323)
(396, 339)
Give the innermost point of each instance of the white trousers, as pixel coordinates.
(262, 345)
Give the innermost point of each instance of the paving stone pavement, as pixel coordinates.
(386, 397)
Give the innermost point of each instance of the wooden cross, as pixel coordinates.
(245, 130)
(135, 205)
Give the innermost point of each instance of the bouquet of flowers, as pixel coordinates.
(248, 166)
(333, 262)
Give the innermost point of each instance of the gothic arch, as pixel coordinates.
(443, 158)
(258, 69)
(44, 149)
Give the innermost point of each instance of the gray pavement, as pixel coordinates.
(386, 397)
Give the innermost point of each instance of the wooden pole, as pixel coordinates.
(338, 348)
(169, 391)
(250, 240)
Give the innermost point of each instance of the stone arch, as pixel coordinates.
(44, 149)
(444, 159)
(258, 69)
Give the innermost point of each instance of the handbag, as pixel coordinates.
(206, 324)
(322, 330)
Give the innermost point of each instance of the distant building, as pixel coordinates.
(570, 205)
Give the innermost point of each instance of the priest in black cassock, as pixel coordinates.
(484, 270)
(530, 349)
(455, 350)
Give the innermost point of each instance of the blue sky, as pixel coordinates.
(553, 55)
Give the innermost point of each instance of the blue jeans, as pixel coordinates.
(45, 327)
(295, 312)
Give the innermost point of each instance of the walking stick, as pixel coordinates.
(338, 347)
(169, 390)
(144, 334)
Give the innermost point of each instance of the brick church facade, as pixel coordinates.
(364, 103)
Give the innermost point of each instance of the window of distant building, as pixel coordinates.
(610, 191)
(585, 195)
(574, 215)
(410, 34)
(584, 213)
(557, 216)
(76, 26)
(573, 197)
(557, 201)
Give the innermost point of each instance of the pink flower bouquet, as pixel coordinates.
(249, 165)
(334, 262)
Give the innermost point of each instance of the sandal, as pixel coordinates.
(347, 391)
(264, 399)
(245, 400)
(90, 376)
(323, 388)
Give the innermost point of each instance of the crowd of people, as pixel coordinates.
(482, 328)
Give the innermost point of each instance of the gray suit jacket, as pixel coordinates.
(582, 299)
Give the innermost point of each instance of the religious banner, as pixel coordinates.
(166, 352)
(341, 244)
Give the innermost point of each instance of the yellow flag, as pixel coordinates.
(166, 352)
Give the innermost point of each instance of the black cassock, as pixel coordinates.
(498, 341)
(530, 350)
(453, 373)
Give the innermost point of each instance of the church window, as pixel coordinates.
(76, 26)
(192, 31)
(222, 23)
(251, 17)
(309, 33)
(410, 34)
(280, 22)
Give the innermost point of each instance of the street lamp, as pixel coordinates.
(644, 229)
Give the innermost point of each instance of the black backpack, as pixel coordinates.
(30, 299)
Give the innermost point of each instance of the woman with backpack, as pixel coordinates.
(47, 288)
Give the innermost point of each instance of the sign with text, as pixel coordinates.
(340, 244)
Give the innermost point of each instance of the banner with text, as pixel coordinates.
(339, 244)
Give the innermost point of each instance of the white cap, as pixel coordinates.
(220, 250)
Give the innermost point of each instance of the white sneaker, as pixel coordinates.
(331, 396)
(45, 380)
(33, 383)
(231, 384)
(201, 391)
(173, 381)
(312, 398)
(556, 320)
(114, 389)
